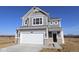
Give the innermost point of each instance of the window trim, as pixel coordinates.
(55, 22)
(35, 21)
(27, 20)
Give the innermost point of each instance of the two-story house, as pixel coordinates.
(39, 28)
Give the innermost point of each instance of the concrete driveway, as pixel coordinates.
(23, 48)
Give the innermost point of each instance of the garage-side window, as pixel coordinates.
(50, 34)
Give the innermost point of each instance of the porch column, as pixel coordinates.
(47, 33)
(62, 36)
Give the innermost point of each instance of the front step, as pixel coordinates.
(54, 45)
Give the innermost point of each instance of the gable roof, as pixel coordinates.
(35, 8)
(54, 19)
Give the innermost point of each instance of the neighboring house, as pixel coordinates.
(39, 28)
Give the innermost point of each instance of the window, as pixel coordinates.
(55, 22)
(40, 20)
(50, 33)
(33, 21)
(37, 21)
(25, 21)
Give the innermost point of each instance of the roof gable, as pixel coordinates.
(35, 9)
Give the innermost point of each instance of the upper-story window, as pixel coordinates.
(55, 22)
(33, 21)
(26, 21)
(40, 20)
(37, 21)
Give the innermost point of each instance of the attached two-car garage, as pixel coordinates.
(31, 38)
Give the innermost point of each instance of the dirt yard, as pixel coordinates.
(6, 40)
(71, 45)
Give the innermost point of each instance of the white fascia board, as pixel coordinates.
(27, 13)
(42, 10)
(32, 10)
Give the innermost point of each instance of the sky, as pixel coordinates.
(10, 17)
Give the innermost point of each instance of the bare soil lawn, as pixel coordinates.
(6, 41)
(71, 45)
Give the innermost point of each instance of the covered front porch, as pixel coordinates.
(54, 36)
(54, 39)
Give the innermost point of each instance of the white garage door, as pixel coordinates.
(31, 38)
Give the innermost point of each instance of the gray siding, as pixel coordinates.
(31, 15)
(52, 23)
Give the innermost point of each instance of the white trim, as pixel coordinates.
(31, 38)
(32, 10)
(47, 33)
(62, 36)
(60, 23)
(55, 23)
(37, 24)
(25, 22)
(47, 20)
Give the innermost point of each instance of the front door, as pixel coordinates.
(54, 37)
